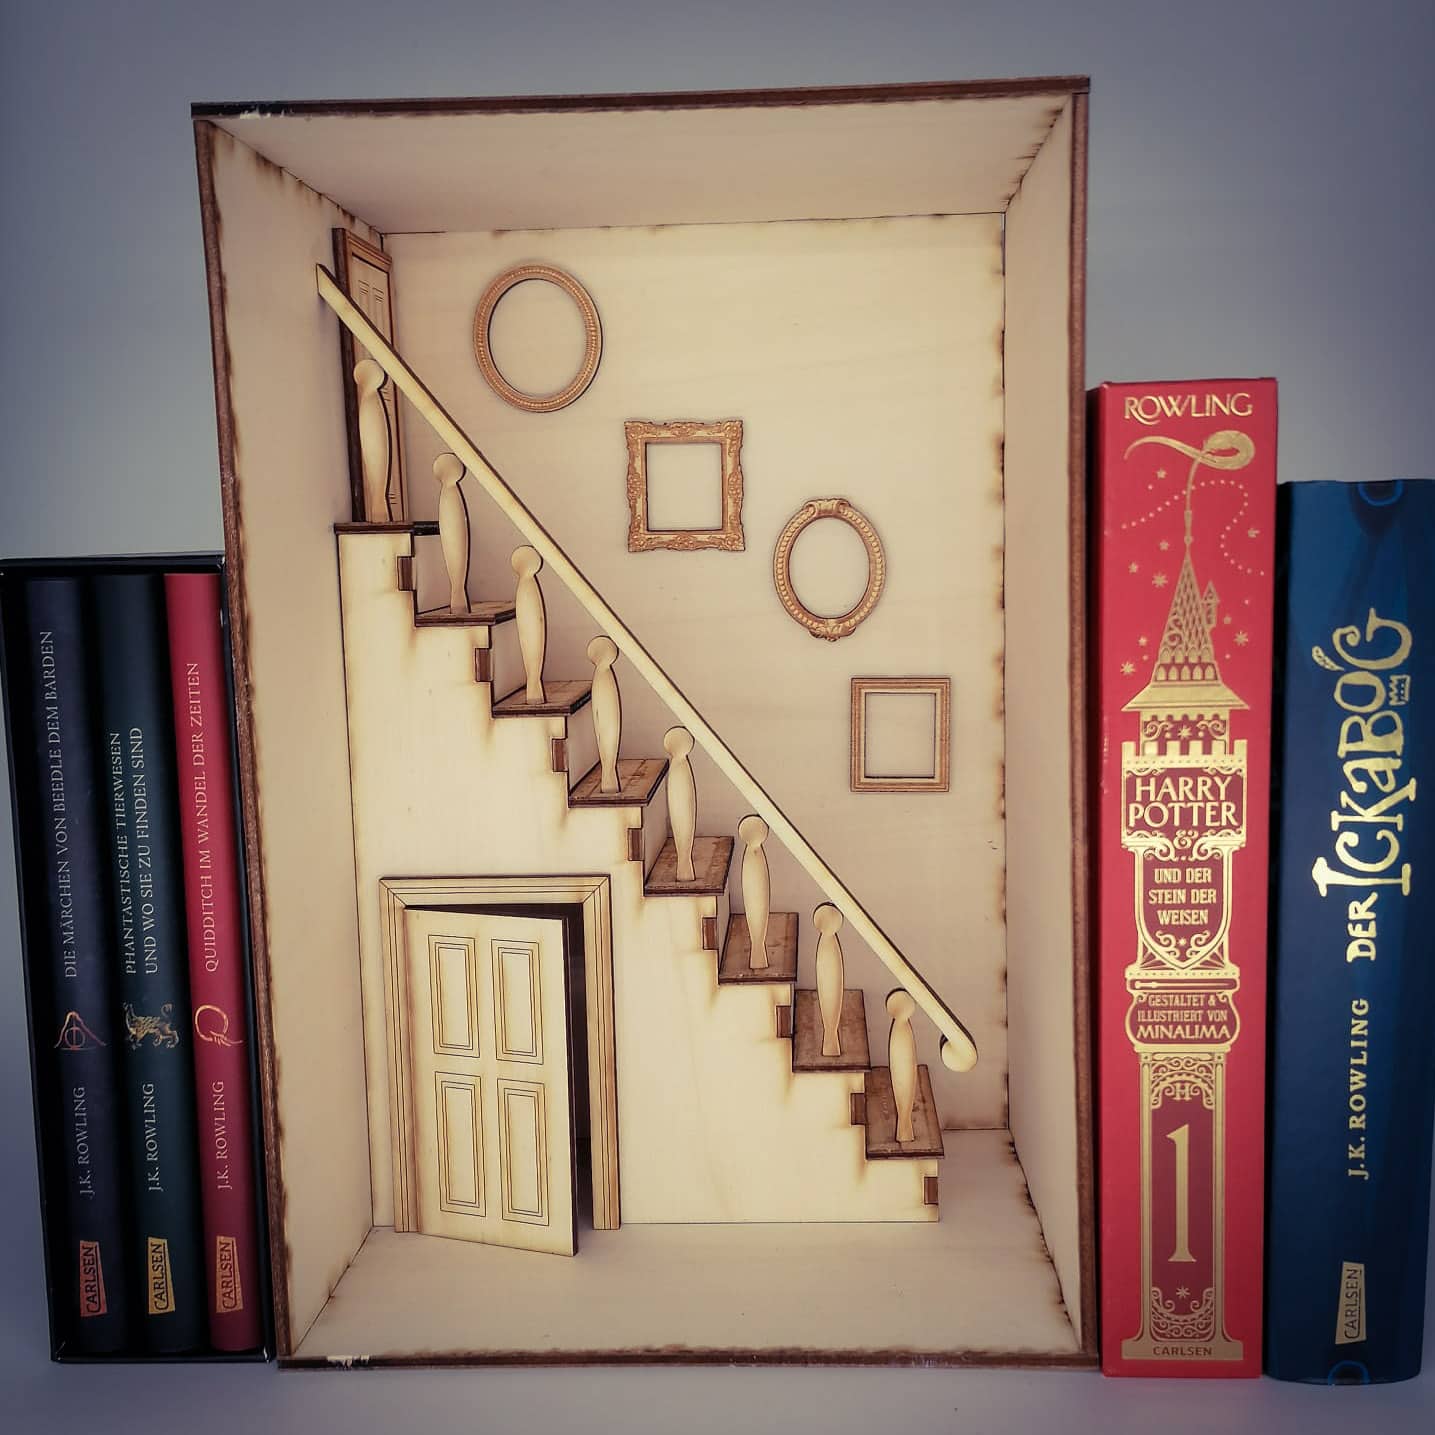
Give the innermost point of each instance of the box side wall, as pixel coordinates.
(1045, 823)
(284, 469)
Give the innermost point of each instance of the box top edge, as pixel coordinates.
(60, 564)
(666, 99)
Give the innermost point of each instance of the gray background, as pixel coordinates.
(1260, 204)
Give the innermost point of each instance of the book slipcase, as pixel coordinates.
(30, 880)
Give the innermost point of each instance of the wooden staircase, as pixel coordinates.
(838, 1042)
(829, 1047)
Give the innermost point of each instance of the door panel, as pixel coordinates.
(459, 1111)
(518, 998)
(521, 1143)
(492, 1097)
(454, 995)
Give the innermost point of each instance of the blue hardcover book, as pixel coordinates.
(1353, 996)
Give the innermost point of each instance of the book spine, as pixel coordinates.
(136, 730)
(71, 933)
(217, 967)
(1184, 486)
(1353, 1000)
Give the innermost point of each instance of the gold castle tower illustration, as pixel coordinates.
(1183, 815)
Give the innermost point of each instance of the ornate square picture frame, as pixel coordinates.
(940, 690)
(727, 434)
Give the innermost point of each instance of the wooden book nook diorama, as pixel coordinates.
(526, 773)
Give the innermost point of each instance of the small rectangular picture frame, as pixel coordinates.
(940, 778)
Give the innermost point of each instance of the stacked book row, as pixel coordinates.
(1265, 681)
(131, 888)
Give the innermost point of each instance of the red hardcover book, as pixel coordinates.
(1184, 487)
(216, 960)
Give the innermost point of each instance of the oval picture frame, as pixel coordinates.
(593, 332)
(830, 629)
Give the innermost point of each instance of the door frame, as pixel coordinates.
(593, 895)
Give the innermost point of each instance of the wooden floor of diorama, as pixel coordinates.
(976, 1284)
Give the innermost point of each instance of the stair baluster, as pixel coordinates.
(756, 888)
(607, 704)
(532, 620)
(827, 919)
(902, 1060)
(374, 440)
(682, 799)
(453, 529)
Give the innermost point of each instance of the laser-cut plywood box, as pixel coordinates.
(491, 1004)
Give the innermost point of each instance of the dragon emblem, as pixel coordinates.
(160, 1029)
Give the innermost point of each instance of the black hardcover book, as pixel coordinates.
(136, 742)
(72, 960)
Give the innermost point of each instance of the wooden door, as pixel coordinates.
(493, 1121)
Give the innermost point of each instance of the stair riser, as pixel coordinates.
(582, 744)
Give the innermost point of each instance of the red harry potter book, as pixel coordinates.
(1184, 487)
(218, 992)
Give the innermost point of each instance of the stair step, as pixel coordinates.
(781, 947)
(712, 856)
(422, 527)
(851, 1034)
(482, 614)
(561, 696)
(882, 1143)
(638, 780)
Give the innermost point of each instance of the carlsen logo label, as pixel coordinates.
(1151, 409)
(92, 1280)
(1350, 1317)
(158, 1283)
(228, 1293)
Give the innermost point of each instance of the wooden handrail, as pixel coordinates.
(959, 1051)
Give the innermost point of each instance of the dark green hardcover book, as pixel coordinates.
(71, 955)
(136, 743)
